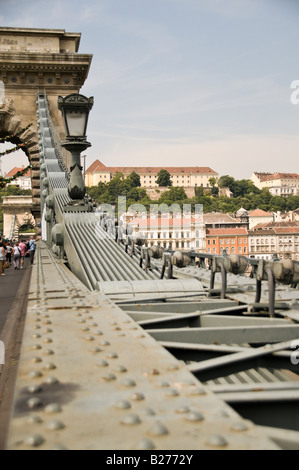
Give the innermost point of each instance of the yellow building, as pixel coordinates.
(180, 176)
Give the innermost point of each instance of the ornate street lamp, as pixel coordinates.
(75, 110)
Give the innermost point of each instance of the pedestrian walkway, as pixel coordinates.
(9, 286)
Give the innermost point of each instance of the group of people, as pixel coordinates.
(14, 252)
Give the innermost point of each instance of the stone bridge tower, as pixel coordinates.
(37, 61)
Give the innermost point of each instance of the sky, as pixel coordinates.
(183, 82)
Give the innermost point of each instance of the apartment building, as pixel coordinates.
(175, 233)
(180, 176)
(284, 184)
(258, 216)
(230, 240)
(270, 240)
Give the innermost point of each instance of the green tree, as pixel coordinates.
(163, 178)
(134, 180)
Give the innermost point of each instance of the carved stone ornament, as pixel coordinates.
(8, 107)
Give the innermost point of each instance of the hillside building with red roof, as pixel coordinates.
(180, 176)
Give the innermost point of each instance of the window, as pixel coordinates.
(214, 242)
(183, 244)
(240, 249)
(245, 249)
(164, 235)
(209, 242)
(240, 241)
(233, 250)
(170, 234)
(214, 251)
(176, 244)
(221, 242)
(232, 241)
(245, 241)
(227, 241)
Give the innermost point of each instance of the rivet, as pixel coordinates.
(239, 426)
(217, 440)
(194, 416)
(49, 352)
(99, 332)
(105, 343)
(34, 389)
(34, 420)
(102, 363)
(149, 412)
(37, 359)
(34, 402)
(164, 384)
(36, 336)
(36, 347)
(131, 419)
(112, 355)
(51, 380)
(48, 340)
(124, 404)
(34, 374)
(109, 377)
(53, 408)
(34, 440)
(182, 410)
(82, 321)
(47, 322)
(55, 425)
(153, 372)
(121, 369)
(96, 350)
(90, 338)
(36, 327)
(137, 396)
(129, 383)
(85, 328)
(49, 366)
(145, 444)
(48, 330)
(172, 393)
(158, 430)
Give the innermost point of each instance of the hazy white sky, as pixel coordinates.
(183, 82)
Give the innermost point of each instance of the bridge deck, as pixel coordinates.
(90, 377)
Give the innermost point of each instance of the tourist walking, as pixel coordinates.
(17, 256)
(32, 246)
(9, 250)
(2, 258)
(23, 249)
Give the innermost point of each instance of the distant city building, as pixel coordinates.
(24, 182)
(230, 240)
(219, 220)
(258, 216)
(279, 184)
(180, 176)
(268, 240)
(174, 233)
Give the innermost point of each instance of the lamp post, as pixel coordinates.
(75, 110)
(84, 166)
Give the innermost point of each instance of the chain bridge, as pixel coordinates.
(127, 347)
